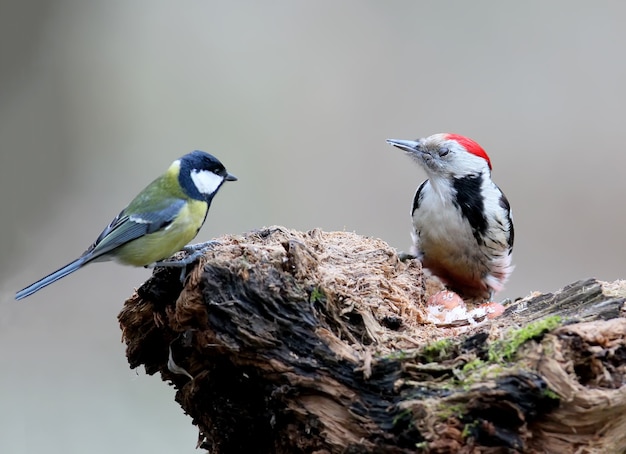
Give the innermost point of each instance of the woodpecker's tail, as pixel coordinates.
(53, 277)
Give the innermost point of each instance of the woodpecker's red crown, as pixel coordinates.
(446, 155)
(470, 145)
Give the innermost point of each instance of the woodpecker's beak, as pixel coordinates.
(230, 177)
(406, 145)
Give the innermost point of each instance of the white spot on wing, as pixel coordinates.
(206, 182)
(138, 219)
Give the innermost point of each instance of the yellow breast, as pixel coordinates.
(162, 244)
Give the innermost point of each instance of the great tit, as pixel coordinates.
(159, 222)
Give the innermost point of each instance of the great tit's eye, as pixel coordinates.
(444, 151)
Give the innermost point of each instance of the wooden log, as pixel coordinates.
(283, 342)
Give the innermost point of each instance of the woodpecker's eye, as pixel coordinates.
(444, 151)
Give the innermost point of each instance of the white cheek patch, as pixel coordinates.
(206, 182)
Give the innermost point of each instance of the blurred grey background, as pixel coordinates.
(297, 99)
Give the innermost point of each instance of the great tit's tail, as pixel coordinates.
(53, 277)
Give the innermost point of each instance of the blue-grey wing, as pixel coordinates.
(127, 227)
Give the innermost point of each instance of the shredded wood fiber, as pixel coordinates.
(282, 341)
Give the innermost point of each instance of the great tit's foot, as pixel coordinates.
(179, 263)
(190, 248)
(193, 251)
(404, 256)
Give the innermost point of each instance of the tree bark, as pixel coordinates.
(282, 342)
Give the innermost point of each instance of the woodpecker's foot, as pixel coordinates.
(404, 256)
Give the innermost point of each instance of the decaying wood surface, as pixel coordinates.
(286, 342)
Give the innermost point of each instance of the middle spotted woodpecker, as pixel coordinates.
(462, 227)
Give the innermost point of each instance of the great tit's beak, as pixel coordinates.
(230, 177)
(406, 145)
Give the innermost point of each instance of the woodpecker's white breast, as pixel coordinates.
(439, 228)
(462, 233)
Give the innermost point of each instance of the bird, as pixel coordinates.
(165, 216)
(462, 224)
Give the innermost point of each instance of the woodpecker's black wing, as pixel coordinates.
(504, 203)
(417, 198)
(469, 199)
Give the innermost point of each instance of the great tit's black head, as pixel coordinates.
(202, 174)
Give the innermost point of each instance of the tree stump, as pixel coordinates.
(284, 342)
